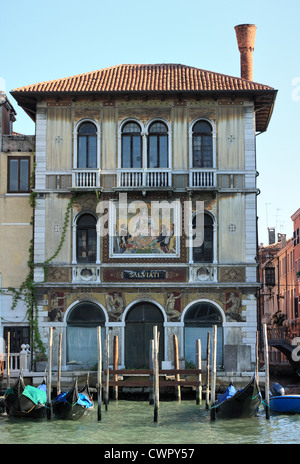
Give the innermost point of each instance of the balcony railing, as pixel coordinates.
(87, 178)
(144, 178)
(202, 178)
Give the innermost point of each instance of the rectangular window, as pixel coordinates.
(18, 336)
(18, 174)
(296, 237)
(270, 276)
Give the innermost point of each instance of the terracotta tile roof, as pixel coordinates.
(151, 78)
(145, 78)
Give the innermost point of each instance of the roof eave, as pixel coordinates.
(28, 100)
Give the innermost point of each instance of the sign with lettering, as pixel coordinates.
(145, 274)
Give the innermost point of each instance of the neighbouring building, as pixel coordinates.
(16, 227)
(279, 294)
(277, 272)
(296, 244)
(134, 164)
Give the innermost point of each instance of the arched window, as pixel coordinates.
(158, 145)
(86, 239)
(87, 146)
(202, 145)
(204, 253)
(198, 321)
(131, 146)
(82, 324)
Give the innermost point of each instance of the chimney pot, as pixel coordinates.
(245, 34)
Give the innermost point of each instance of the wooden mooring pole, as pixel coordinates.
(151, 367)
(49, 387)
(198, 376)
(115, 364)
(267, 385)
(107, 372)
(155, 374)
(59, 365)
(8, 361)
(214, 373)
(99, 373)
(207, 370)
(176, 367)
(257, 358)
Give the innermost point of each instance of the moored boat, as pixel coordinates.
(279, 402)
(22, 400)
(73, 404)
(238, 403)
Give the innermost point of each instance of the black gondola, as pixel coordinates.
(25, 401)
(73, 404)
(242, 403)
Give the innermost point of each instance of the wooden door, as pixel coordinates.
(139, 332)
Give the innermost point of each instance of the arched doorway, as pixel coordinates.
(140, 320)
(198, 321)
(82, 323)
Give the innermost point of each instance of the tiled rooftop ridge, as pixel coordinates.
(145, 78)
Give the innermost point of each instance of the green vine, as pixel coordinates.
(28, 287)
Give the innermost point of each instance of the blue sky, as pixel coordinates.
(44, 41)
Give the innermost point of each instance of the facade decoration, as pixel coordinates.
(115, 305)
(172, 307)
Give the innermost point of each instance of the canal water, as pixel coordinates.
(131, 422)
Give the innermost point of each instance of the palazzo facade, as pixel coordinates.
(145, 213)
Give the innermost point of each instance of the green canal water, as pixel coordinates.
(131, 422)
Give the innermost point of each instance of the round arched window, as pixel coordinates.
(158, 145)
(131, 146)
(198, 321)
(86, 239)
(82, 324)
(87, 146)
(202, 145)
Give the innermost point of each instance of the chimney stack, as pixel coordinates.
(245, 34)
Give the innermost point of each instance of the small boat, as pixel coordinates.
(238, 403)
(22, 400)
(73, 404)
(279, 402)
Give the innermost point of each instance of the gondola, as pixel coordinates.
(235, 404)
(73, 404)
(281, 403)
(22, 400)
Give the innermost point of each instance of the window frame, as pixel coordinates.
(131, 135)
(202, 134)
(144, 134)
(75, 144)
(87, 142)
(18, 158)
(78, 228)
(213, 143)
(213, 236)
(158, 135)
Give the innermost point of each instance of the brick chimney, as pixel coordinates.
(245, 34)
